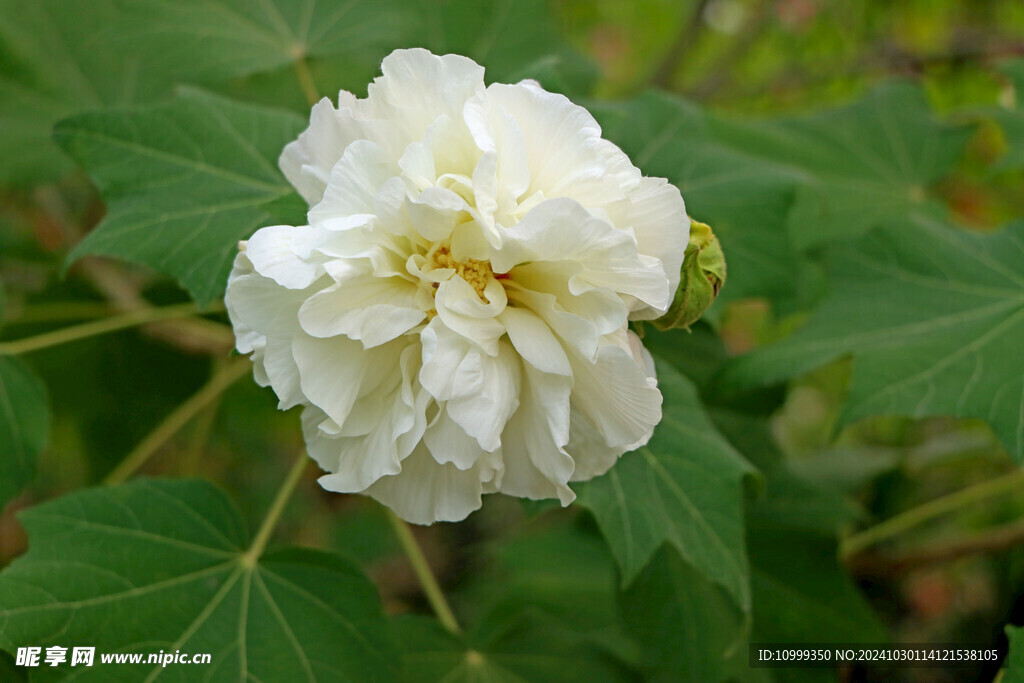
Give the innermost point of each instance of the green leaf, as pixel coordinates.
(183, 182)
(1013, 668)
(933, 316)
(743, 198)
(691, 629)
(563, 573)
(859, 166)
(9, 671)
(787, 500)
(56, 60)
(512, 39)
(684, 488)
(516, 648)
(160, 565)
(216, 40)
(802, 594)
(254, 49)
(1011, 118)
(24, 425)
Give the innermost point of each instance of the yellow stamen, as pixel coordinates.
(476, 273)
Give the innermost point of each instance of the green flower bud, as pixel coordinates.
(702, 276)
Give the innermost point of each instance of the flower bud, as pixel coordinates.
(702, 276)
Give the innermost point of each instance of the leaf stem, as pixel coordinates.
(96, 328)
(259, 541)
(934, 508)
(306, 82)
(422, 569)
(220, 381)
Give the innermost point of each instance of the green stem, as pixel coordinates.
(189, 464)
(220, 381)
(922, 513)
(259, 541)
(426, 577)
(305, 77)
(96, 328)
(59, 311)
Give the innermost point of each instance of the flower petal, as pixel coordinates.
(425, 492)
(307, 162)
(615, 395)
(536, 463)
(271, 254)
(416, 88)
(371, 309)
(448, 442)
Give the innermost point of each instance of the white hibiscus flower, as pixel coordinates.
(453, 319)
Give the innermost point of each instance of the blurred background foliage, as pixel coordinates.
(783, 122)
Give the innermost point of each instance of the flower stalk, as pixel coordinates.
(220, 381)
(284, 494)
(431, 589)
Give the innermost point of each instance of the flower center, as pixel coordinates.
(476, 273)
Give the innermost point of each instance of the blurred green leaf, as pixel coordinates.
(859, 166)
(24, 425)
(690, 628)
(160, 565)
(516, 647)
(933, 316)
(802, 594)
(183, 182)
(562, 573)
(684, 488)
(1013, 671)
(10, 672)
(787, 500)
(56, 60)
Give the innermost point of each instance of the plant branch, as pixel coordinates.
(922, 513)
(988, 541)
(58, 311)
(262, 537)
(422, 569)
(680, 47)
(190, 334)
(220, 381)
(96, 328)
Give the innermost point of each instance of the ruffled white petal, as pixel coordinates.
(536, 463)
(425, 492)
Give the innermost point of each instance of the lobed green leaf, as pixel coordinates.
(183, 182)
(24, 425)
(161, 565)
(932, 330)
(684, 488)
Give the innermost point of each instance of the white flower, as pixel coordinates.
(454, 317)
